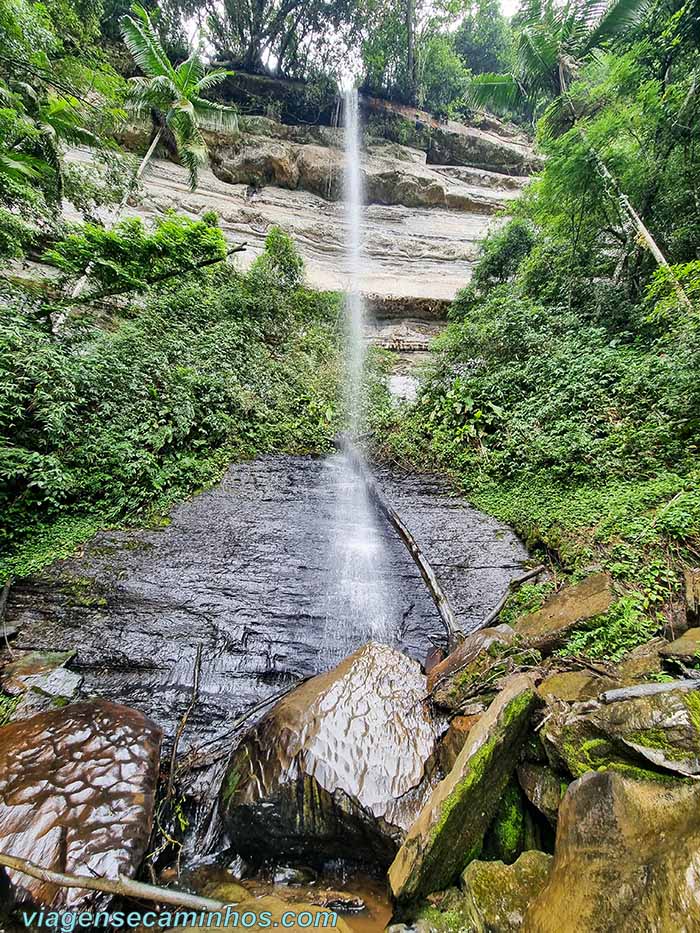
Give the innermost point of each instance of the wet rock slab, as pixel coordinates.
(243, 571)
(77, 789)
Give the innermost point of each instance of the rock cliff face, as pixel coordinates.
(429, 204)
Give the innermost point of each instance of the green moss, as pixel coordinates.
(504, 841)
(643, 774)
(231, 783)
(585, 756)
(692, 704)
(658, 739)
(83, 591)
(8, 705)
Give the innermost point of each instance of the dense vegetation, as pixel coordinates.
(564, 396)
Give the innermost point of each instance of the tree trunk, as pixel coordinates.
(410, 50)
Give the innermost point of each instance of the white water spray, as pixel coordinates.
(357, 603)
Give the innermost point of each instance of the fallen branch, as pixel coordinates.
(454, 632)
(4, 596)
(121, 886)
(512, 587)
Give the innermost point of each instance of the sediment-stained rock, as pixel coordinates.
(627, 859)
(563, 612)
(77, 788)
(497, 896)
(338, 768)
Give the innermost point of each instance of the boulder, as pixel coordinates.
(655, 725)
(339, 768)
(574, 686)
(497, 896)
(543, 788)
(40, 681)
(626, 859)
(564, 611)
(685, 649)
(450, 829)
(261, 161)
(77, 789)
(640, 662)
(450, 683)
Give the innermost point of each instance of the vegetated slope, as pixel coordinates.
(564, 395)
(99, 424)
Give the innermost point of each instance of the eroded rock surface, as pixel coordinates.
(627, 859)
(243, 570)
(563, 612)
(450, 829)
(77, 789)
(338, 768)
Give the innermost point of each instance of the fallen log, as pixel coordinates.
(121, 886)
(454, 632)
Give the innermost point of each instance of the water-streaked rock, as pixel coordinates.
(339, 768)
(77, 788)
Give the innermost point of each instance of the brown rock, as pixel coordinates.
(686, 648)
(626, 859)
(450, 828)
(692, 593)
(572, 686)
(497, 896)
(563, 612)
(543, 788)
(77, 788)
(478, 647)
(453, 740)
(642, 661)
(338, 768)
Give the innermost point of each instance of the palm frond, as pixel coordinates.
(499, 92)
(142, 41)
(157, 93)
(191, 71)
(618, 16)
(193, 155)
(213, 116)
(538, 55)
(212, 79)
(21, 167)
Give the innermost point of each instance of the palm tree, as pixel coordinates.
(553, 44)
(173, 96)
(170, 97)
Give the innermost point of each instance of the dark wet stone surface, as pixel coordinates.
(243, 570)
(77, 789)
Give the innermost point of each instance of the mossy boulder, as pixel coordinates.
(626, 859)
(479, 666)
(339, 768)
(652, 726)
(512, 830)
(497, 896)
(574, 686)
(566, 610)
(449, 831)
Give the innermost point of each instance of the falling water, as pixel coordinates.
(357, 606)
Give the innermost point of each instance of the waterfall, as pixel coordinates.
(357, 605)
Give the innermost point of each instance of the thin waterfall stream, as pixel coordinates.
(357, 604)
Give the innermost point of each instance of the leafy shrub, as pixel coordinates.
(218, 365)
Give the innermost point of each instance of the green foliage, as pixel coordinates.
(622, 628)
(175, 96)
(528, 598)
(483, 40)
(128, 254)
(107, 424)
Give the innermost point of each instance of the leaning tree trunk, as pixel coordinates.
(625, 203)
